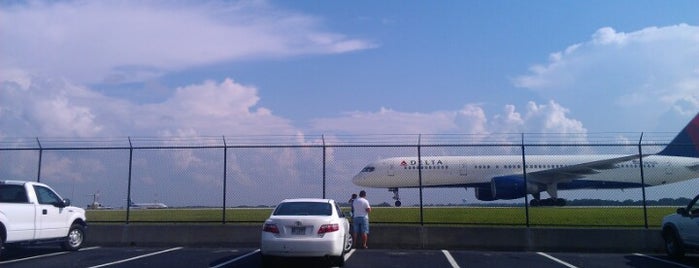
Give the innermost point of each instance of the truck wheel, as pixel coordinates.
(75, 238)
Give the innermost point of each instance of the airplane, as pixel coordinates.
(146, 205)
(95, 202)
(501, 177)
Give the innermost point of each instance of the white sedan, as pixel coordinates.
(307, 227)
(681, 230)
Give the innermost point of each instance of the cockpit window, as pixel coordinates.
(368, 169)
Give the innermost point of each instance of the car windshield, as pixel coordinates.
(303, 208)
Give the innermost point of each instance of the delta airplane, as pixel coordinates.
(502, 177)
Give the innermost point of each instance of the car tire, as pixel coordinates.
(75, 238)
(673, 244)
(338, 261)
(349, 242)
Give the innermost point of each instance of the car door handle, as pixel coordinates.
(44, 212)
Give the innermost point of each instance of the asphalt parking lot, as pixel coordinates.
(95, 257)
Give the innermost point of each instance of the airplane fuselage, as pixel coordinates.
(477, 171)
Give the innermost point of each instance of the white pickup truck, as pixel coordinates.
(32, 212)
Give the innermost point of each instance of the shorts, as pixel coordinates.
(361, 225)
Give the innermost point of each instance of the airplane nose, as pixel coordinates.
(357, 179)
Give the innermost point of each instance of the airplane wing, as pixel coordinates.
(569, 173)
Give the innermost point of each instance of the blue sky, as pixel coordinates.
(83, 69)
(374, 67)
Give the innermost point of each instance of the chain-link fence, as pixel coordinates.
(239, 179)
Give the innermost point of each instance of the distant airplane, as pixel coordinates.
(146, 205)
(501, 177)
(95, 202)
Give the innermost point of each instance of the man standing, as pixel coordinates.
(360, 220)
(351, 201)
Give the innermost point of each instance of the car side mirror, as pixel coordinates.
(682, 211)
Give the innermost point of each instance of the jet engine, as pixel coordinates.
(507, 188)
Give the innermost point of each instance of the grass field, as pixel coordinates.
(548, 216)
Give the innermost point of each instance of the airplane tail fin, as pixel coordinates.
(687, 141)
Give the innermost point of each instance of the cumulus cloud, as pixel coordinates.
(36, 106)
(126, 41)
(213, 108)
(387, 121)
(551, 118)
(472, 119)
(52, 107)
(647, 73)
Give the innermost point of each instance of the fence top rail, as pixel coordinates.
(607, 139)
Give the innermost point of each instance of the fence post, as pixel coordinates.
(419, 176)
(41, 152)
(225, 168)
(324, 149)
(128, 190)
(524, 174)
(643, 182)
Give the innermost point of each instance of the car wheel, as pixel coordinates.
(673, 244)
(75, 238)
(2, 246)
(349, 242)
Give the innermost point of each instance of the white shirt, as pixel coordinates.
(360, 206)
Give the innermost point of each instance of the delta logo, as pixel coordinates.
(434, 162)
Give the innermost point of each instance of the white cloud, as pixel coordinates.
(551, 118)
(52, 107)
(608, 35)
(35, 106)
(123, 41)
(472, 119)
(644, 73)
(213, 109)
(387, 121)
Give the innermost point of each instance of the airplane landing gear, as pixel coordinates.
(552, 190)
(395, 196)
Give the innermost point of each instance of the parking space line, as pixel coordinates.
(347, 256)
(35, 257)
(236, 259)
(557, 260)
(450, 259)
(137, 257)
(44, 255)
(662, 260)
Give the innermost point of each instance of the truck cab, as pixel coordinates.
(32, 212)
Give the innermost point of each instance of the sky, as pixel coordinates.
(83, 69)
